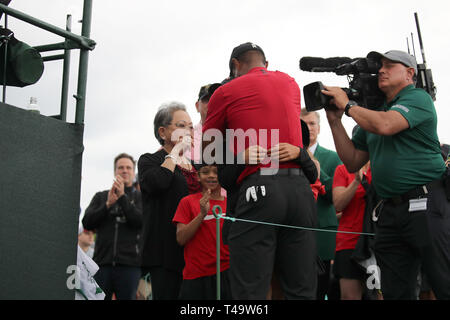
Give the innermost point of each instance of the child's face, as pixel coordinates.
(208, 178)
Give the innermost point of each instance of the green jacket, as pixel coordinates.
(329, 160)
(326, 241)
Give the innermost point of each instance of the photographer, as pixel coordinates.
(400, 139)
(116, 215)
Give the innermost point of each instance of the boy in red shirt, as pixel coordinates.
(196, 231)
(348, 197)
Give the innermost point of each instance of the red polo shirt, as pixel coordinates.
(353, 215)
(200, 252)
(258, 103)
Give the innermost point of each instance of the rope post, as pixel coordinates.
(217, 212)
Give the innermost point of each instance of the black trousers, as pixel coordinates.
(255, 248)
(436, 262)
(323, 281)
(405, 239)
(205, 288)
(165, 283)
(121, 280)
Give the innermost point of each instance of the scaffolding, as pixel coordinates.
(72, 41)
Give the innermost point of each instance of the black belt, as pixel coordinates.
(415, 193)
(280, 172)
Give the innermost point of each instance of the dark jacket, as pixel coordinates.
(118, 228)
(228, 174)
(162, 190)
(364, 247)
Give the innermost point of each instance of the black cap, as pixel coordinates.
(240, 49)
(207, 90)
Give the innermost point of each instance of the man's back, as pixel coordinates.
(264, 107)
(261, 99)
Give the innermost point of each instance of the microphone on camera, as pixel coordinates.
(316, 64)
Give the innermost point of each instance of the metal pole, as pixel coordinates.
(53, 58)
(218, 257)
(217, 212)
(83, 66)
(5, 62)
(67, 44)
(66, 71)
(420, 38)
(82, 40)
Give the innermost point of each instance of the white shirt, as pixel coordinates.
(313, 148)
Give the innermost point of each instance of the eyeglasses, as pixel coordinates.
(183, 125)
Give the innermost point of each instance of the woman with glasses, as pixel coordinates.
(165, 177)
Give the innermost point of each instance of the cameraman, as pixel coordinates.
(400, 138)
(116, 215)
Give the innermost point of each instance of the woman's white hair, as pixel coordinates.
(164, 117)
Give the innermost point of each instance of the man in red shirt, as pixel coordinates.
(262, 108)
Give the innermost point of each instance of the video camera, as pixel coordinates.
(361, 74)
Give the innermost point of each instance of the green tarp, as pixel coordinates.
(40, 176)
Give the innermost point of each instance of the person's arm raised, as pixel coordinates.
(343, 195)
(185, 232)
(385, 123)
(353, 158)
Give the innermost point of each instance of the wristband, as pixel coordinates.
(171, 157)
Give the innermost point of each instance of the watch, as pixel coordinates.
(350, 104)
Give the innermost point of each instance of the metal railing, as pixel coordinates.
(72, 41)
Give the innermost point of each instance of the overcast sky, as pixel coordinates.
(150, 52)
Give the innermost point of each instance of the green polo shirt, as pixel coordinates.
(409, 158)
